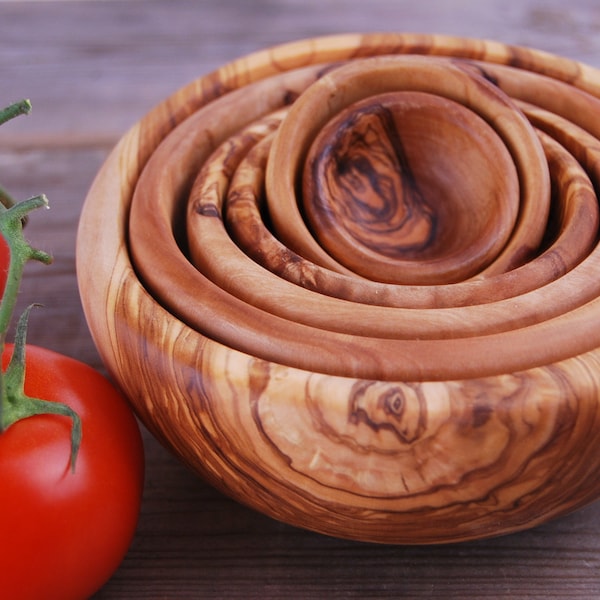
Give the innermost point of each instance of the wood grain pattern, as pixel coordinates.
(92, 68)
(439, 77)
(389, 190)
(452, 424)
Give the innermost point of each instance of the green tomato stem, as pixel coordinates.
(18, 405)
(22, 107)
(11, 227)
(5, 198)
(15, 405)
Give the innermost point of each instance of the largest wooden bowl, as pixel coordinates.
(353, 282)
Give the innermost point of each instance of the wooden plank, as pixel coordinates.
(94, 68)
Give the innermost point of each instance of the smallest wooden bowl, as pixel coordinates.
(410, 188)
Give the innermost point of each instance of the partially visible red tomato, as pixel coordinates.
(64, 533)
(4, 262)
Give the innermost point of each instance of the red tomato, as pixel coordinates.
(4, 262)
(64, 533)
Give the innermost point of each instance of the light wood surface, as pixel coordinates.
(94, 68)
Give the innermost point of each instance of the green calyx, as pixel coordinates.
(15, 405)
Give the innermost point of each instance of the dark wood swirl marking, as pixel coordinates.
(398, 188)
(369, 177)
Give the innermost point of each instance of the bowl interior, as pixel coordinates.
(409, 187)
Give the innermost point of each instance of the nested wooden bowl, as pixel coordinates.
(354, 283)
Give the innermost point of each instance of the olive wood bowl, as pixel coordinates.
(353, 282)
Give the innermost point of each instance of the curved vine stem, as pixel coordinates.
(11, 227)
(15, 405)
(22, 107)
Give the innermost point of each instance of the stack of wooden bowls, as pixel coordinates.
(354, 283)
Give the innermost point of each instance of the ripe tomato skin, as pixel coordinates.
(64, 533)
(4, 263)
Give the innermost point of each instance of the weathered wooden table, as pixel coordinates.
(91, 69)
